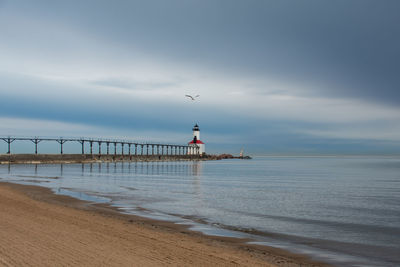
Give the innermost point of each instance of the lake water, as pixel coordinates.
(341, 210)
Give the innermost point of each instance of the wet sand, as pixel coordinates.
(39, 228)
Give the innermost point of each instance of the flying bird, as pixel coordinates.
(191, 97)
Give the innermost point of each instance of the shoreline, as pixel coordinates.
(229, 247)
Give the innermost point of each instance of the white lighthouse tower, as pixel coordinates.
(196, 143)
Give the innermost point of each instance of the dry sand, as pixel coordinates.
(38, 228)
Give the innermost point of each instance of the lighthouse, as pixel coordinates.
(196, 142)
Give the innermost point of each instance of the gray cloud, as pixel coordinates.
(339, 48)
(132, 85)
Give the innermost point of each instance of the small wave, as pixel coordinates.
(333, 224)
(38, 177)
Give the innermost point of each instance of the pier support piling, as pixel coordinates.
(8, 141)
(61, 142)
(82, 142)
(36, 141)
(91, 147)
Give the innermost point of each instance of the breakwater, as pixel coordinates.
(87, 158)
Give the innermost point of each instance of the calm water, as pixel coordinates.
(342, 210)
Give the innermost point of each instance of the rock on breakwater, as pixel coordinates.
(88, 158)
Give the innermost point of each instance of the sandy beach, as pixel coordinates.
(39, 228)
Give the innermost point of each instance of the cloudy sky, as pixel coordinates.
(274, 77)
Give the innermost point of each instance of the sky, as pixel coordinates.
(274, 77)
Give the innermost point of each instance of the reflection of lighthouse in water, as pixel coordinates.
(196, 142)
(196, 169)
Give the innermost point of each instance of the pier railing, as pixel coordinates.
(129, 147)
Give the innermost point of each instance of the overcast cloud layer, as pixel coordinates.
(274, 76)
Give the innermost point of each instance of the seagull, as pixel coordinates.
(191, 97)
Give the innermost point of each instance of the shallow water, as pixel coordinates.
(343, 210)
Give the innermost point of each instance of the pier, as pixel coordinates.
(128, 149)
